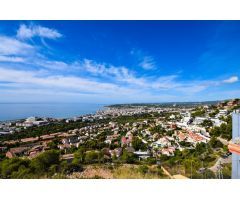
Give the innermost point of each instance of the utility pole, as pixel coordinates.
(219, 172)
(191, 169)
(204, 171)
(178, 167)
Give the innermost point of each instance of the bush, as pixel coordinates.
(225, 130)
(143, 169)
(151, 161)
(93, 156)
(209, 174)
(215, 143)
(129, 158)
(227, 170)
(72, 167)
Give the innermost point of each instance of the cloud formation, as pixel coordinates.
(27, 32)
(11, 59)
(147, 63)
(12, 46)
(26, 68)
(232, 79)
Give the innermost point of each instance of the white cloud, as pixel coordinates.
(93, 67)
(232, 79)
(11, 46)
(147, 63)
(120, 74)
(90, 78)
(21, 82)
(124, 75)
(53, 65)
(29, 79)
(27, 32)
(11, 59)
(166, 82)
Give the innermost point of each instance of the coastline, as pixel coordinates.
(10, 112)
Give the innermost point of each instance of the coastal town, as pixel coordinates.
(143, 136)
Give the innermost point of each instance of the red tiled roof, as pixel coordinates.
(32, 139)
(181, 135)
(195, 136)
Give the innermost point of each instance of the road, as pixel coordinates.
(221, 160)
(224, 141)
(166, 172)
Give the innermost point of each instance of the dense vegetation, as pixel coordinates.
(207, 123)
(198, 112)
(190, 161)
(213, 113)
(224, 131)
(137, 144)
(41, 130)
(45, 165)
(50, 165)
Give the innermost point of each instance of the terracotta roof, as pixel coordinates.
(32, 139)
(181, 135)
(195, 136)
(45, 137)
(18, 149)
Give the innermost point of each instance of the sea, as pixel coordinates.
(15, 111)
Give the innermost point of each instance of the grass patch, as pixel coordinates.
(138, 172)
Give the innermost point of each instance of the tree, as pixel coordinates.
(93, 156)
(227, 171)
(157, 129)
(53, 169)
(137, 144)
(215, 131)
(198, 113)
(91, 144)
(191, 166)
(128, 157)
(170, 133)
(10, 167)
(200, 148)
(43, 162)
(215, 143)
(23, 173)
(212, 114)
(185, 144)
(53, 144)
(79, 155)
(225, 130)
(42, 130)
(207, 123)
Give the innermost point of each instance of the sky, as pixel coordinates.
(119, 61)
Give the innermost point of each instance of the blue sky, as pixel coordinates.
(119, 61)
